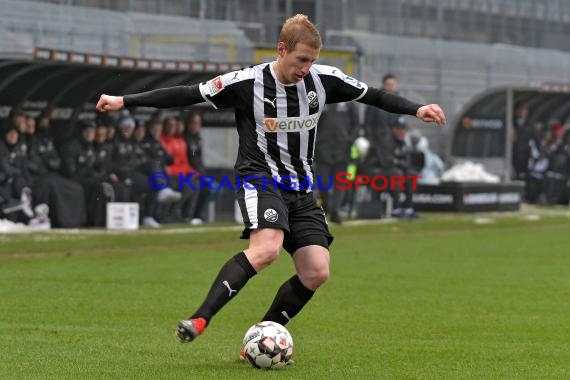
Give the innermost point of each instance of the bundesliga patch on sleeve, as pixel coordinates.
(352, 81)
(215, 85)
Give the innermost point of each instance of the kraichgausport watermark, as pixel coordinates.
(341, 181)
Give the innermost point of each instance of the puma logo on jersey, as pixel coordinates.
(265, 100)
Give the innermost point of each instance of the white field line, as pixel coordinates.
(529, 213)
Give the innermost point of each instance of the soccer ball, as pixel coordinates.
(268, 345)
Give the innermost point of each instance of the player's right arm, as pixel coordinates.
(178, 96)
(227, 90)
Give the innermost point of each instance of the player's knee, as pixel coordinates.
(316, 277)
(261, 256)
(321, 276)
(269, 253)
(264, 247)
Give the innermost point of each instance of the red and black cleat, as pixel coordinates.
(189, 329)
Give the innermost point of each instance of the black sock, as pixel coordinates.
(232, 277)
(290, 299)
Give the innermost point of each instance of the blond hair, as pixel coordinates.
(300, 29)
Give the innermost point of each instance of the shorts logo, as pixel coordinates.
(216, 85)
(313, 99)
(271, 215)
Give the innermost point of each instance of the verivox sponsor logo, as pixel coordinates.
(290, 124)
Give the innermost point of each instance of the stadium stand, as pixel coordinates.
(452, 72)
(532, 23)
(117, 33)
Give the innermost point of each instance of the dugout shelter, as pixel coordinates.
(483, 131)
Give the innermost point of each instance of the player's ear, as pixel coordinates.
(281, 48)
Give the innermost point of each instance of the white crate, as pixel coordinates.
(122, 216)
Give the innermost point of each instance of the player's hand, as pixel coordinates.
(109, 103)
(431, 113)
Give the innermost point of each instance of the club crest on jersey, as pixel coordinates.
(313, 99)
(216, 85)
(271, 215)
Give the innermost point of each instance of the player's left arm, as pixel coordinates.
(343, 88)
(396, 104)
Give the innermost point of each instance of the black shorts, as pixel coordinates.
(295, 212)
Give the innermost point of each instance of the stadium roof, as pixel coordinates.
(70, 90)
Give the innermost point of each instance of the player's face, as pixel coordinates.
(295, 64)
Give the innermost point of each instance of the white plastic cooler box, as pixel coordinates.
(122, 216)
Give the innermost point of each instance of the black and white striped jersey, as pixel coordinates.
(277, 123)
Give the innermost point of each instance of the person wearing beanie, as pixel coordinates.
(127, 167)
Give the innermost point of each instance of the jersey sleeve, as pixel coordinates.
(340, 87)
(227, 90)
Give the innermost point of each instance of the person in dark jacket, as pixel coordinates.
(152, 145)
(338, 127)
(64, 197)
(15, 178)
(392, 157)
(116, 190)
(402, 165)
(104, 154)
(378, 122)
(79, 164)
(193, 137)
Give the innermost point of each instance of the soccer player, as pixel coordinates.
(277, 107)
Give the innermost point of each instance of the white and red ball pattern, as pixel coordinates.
(268, 345)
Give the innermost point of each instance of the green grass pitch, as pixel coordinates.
(442, 298)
